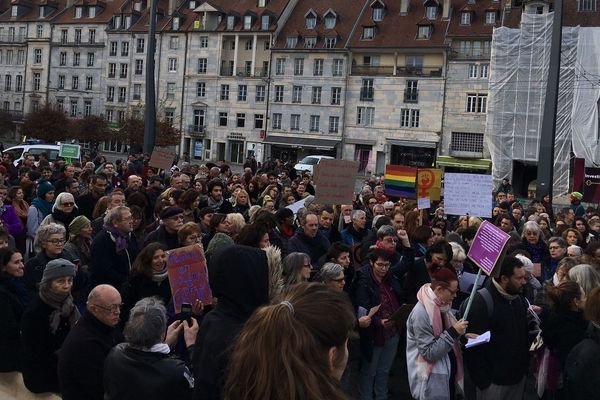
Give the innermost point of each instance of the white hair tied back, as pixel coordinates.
(289, 306)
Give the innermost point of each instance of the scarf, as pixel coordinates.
(42, 205)
(503, 293)
(159, 276)
(21, 208)
(63, 308)
(118, 237)
(436, 312)
(535, 250)
(64, 218)
(84, 245)
(215, 205)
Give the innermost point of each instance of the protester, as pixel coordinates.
(40, 208)
(13, 299)
(63, 212)
(296, 268)
(80, 241)
(332, 275)
(171, 221)
(309, 240)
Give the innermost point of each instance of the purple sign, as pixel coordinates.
(487, 246)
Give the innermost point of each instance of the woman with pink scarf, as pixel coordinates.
(433, 354)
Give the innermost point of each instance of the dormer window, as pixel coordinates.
(92, 12)
(42, 11)
(378, 10)
(14, 11)
(432, 12)
(490, 17)
(118, 22)
(310, 42)
(330, 42)
(291, 42)
(265, 22)
(230, 22)
(128, 22)
(176, 23)
(424, 32)
(137, 6)
(78, 12)
(262, 3)
(368, 33)
(330, 20)
(311, 20)
(192, 4)
(465, 18)
(247, 22)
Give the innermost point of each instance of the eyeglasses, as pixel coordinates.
(113, 308)
(68, 204)
(56, 241)
(382, 264)
(390, 239)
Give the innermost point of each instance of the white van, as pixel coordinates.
(306, 164)
(17, 151)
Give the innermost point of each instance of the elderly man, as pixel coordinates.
(142, 368)
(309, 240)
(113, 250)
(81, 358)
(116, 198)
(355, 233)
(166, 233)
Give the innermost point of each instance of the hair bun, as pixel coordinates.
(443, 274)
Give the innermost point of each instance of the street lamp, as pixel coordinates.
(150, 110)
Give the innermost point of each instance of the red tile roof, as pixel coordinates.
(571, 16)
(33, 11)
(104, 12)
(478, 27)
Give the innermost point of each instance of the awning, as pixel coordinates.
(366, 142)
(325, 144)
(466, 163)
(412, 143)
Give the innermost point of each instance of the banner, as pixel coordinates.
(162, 158)
(334, 180)
(188, 276)
(468, 194)
(429, 183)
(487, 247)
(400, 181)
(591, 185)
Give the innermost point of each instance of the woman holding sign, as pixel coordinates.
(433, 354)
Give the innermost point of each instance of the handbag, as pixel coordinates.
(546, 368)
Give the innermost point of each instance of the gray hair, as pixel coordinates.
(586, 276)
(44, 233)
(114, 215)
(531, 226)
(458, 252)
(147, 323)
(578, 250)
(559, 241)
(378, 206)
(357, 214)
(64, 196)
(385, 230)
(330, 271)
(291, 267)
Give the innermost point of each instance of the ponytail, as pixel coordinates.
(561, 296)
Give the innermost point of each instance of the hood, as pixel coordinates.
(239, 279)
(275, 280)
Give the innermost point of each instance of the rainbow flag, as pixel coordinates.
(401, 181)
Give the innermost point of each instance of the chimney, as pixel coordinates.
(446, 10)
(172, 6)
(404, 6)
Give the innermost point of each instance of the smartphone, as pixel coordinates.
(186, 313)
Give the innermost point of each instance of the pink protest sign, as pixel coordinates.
(188, 276)
(487, 246)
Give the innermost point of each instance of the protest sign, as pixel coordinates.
(296, 206)
(334, 181)
(487, 246)
(423, 203)
(468, 194)
(162, 158)
(429, 183)
(188, 276)
(400, 181)
(69, 151)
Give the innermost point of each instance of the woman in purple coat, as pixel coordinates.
(8, 217)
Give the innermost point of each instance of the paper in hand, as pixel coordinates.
(479, 340)
(374, 310)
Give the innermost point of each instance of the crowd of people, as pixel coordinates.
(319, 303)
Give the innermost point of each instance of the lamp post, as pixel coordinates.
(150, 110)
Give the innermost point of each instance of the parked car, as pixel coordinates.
(17, 151)
(307, 163)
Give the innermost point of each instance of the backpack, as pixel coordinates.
(487, 297)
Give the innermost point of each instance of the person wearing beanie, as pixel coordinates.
(171, 219)
(40, 208)
(219, 240)
(433, 353)
(576, 206)
(45, 325)
(80, 241)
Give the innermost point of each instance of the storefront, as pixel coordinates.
(293, 149)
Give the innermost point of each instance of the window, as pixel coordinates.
(366, 91)
(280, 66)
(92, 12)
(139, 67)
(483, 70)
(265, 22)
(87, 108)
(260, 93)
(431, 12)
(35, 105)
(334, 124)
(75, 83)
(464, 141)
(61, 81)
(295, 122)
(242, 92)
(414, 118)
(17, 106)
(365, 116)
(139, 45)
(278, 94)
(262, 3)
(137, 91)
(299, 66)
(110, 93)
(37, 56)
(259, 120)
(123, 70)
(14, 11)
(60, 105)
(201, 89)
(92, 34)
(297, 94)
(222, 119)
(170, 90)
(247, 22)
(9, 57)
(378, 12)
(318, 67)
(174, 42)
(89, 82)
(409, 118)
(63, 58)
(315, 122)
(240, 120)
(310, 42)
(198, 120)
(587, 5)
(123, 94)
(230, 22)
(224, 92)
(19, 83)
(172, 65)
(330, 20)
(112, 70)
(73, 108)
(316, 95)
(90, 59)
(78, 12)
(291, 42)
(336, 95)
(169, 116)
(490, 17)
(276, 122)
(77, 36)
(311, 21)
(330, 42)
(124, 49)
(203, 42)
(411, 93)
(202, 64)
(113, 48)
(424, 32)
(476, 103)
(76, 59)
(39, 32)
(337, 68)
(248, 45)
(176, 23)
(473, 69)
(368, 33)
(8, 83)
(465, 18)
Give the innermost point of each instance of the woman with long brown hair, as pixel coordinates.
(310, 325)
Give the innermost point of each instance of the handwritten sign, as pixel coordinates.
(423, 203)
(162, 158)
(334, 181)
(487, 246)
(188, 276)
(429, 183)
(468, 194)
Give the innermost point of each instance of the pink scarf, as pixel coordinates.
(436, 310)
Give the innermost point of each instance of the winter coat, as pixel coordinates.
(314, 247)
(171, 240)
(11, 312)
(139, 286)
(11, 221)
(108, 266)
(34, 270)
(582, 368)
(561, 332)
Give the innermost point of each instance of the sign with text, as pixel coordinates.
(429, 183)
(423, 203)
(334, 181)
(188, 276)
(488, 246)
(69, 151)
(468, 194)
(591, 185)
(162, 158)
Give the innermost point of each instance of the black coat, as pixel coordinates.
(582, 368)
(135, 374)
(40, 347)
(81, 358)
(224, 208)
(561, 332)
(160, 235)
(34, 270)
(139, 286)
(314, 247)
(108, 266)
(11, 312)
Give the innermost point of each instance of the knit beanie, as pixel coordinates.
(577, 196)
(218, 241)
(57, 269)
(78, 224)
(43, 188)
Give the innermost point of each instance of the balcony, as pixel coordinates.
(367, 93)
(455, 54)
(137, 96)
(258, 72)
(74, 43)
(197, 131)
(226, 71)
(370, 70)
(15, 115)
(411, 95)
(12, 38)
(419, 71)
